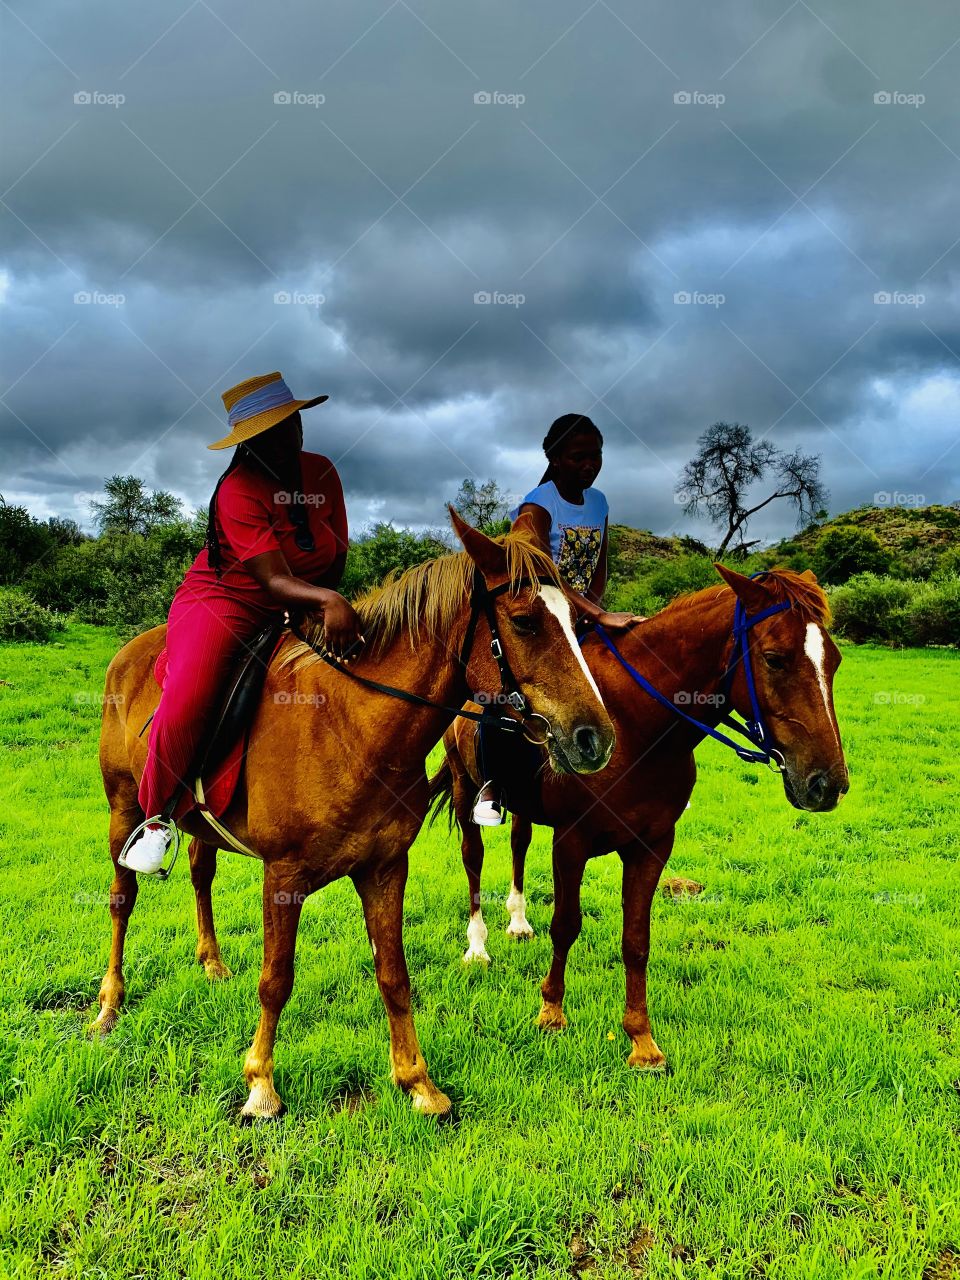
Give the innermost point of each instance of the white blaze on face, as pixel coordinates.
(559, 606)
(813, 647)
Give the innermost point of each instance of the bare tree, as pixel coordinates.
(729, 462)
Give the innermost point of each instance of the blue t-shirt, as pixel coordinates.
(576, 531)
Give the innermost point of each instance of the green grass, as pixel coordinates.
(807, 1001)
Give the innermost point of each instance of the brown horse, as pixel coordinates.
(634, 807)
(334, 783)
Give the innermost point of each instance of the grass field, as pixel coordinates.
(807, 1001)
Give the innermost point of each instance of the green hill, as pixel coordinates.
(899, 530)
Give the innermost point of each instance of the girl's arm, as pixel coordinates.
(587, 606)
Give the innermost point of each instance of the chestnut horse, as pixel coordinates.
(685, 652)
(334, 781)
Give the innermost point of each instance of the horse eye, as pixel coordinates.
(524, 624)
(775, 661)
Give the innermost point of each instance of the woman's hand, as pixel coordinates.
(341, 628)
(619, 621)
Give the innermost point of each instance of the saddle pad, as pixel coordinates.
(219, 784)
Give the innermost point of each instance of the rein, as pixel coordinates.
(481, 601)
(753, 730)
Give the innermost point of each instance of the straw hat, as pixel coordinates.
(258, 404)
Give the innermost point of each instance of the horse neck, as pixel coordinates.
(684, 649)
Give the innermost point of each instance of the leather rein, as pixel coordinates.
(481, 603)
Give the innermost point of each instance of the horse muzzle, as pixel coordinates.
(817, 791)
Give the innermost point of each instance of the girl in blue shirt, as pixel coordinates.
(571, 520)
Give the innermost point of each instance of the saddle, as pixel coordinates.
(218, 764)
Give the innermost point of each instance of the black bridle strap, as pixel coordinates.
(482, 599)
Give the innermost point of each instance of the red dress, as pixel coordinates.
(211, 619)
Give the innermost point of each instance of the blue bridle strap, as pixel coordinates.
(753, 730)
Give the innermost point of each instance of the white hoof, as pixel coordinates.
(476, 955)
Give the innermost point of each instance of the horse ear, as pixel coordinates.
(810, 576)
(489, 556)
(752, 593)
(524, 527)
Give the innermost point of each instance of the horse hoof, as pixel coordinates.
(653, 1061)
(264, 1103)
(104, 1022)
(216, 970)
(476, 955)
(550, 1018)
(520, 932)
(429, 1101)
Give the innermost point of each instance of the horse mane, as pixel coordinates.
(428, 596)
(804, 594)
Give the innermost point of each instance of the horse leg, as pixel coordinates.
(471, 851)
(521, 833)
(569, 860)
(123, 894)
(284, 892)
(381, 892)
(642, 865)
(203, 867)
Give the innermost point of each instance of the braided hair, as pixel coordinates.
(245, 453)
(560, 433)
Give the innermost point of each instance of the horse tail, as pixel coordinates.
(440, 791)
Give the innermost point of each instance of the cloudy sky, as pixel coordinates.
(680, 213)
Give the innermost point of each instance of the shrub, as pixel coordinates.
(844, 551)
(866, 607)
(933, 615)
(22, 619)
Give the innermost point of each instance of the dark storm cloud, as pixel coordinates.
(384, 211)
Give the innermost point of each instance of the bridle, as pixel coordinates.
(510, 694)
(754, 730)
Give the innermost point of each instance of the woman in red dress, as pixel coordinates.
(276, 540)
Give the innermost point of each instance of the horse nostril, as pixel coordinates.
(818, 785)
(587, 742)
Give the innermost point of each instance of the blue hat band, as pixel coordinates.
(267, 397)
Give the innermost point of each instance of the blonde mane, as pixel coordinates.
(805, 595)
(428, 596)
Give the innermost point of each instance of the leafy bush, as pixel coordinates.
(933, 615)
(894, 611)
(23, 619)
(843, 552)
(375, 554)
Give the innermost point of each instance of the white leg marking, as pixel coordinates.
(519, 926)
(559, 606)
(476, 938)
(813, 648)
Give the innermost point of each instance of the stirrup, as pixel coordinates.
(162, 873)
